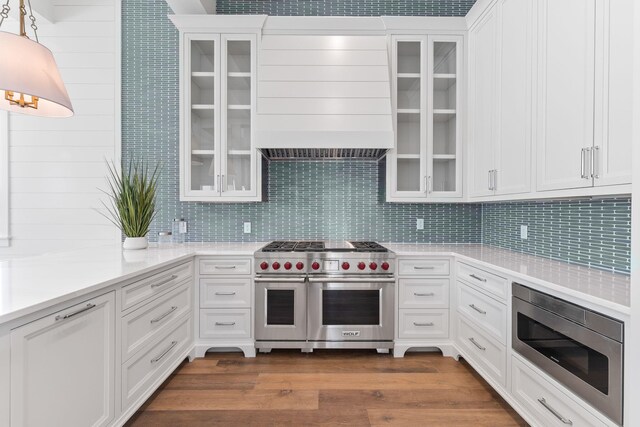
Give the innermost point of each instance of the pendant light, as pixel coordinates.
(30, 82)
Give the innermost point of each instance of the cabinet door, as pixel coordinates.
(201, 119)
(407, 162)
(62, 367)
(614, 76)
(566, 47)
(239, 167)
(444, 103)
(482, 102)
(514, 103)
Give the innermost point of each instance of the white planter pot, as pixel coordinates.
(134, 243)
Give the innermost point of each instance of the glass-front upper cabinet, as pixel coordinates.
(218, 158)
(425, 162)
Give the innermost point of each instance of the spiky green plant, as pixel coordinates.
(132, 197)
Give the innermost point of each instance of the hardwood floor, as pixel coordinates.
(351, 388)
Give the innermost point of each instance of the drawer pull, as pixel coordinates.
(428, 294)
(422, 324)
(549, 408)
(225, 323)
(164, 353)
(474, 342)
(477, 309)
(482, 279)
(162, 316)
(165, 281)
(416, 267)
(75, 313)
(225, 293)
(223, 267)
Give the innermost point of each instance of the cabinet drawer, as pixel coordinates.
(424, 293)
(225, 323)
(541, 399)
(423, 324)
(423, 267)
(225, 293)
(141, 372)
(486, 312)
(149, 321)
(226, 266)
(490, 282)
(145, 289)
(480, 348)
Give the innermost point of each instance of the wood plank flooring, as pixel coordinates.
(349, 388)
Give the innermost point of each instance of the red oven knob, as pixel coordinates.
(287, 265)
(315, 265)
(299, 266)
(385, 266)
(276, 265)
(361, 266)
(345, 266)
(373, 266)
(264, 265)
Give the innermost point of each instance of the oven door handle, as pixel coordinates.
(280, 279)
(350, 280)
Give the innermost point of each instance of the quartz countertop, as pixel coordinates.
(599, 287)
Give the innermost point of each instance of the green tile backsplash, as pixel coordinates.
(335, 199)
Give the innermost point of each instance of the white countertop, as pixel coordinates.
(35, 283)
(602, 288)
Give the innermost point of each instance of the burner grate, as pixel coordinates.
(368, 246)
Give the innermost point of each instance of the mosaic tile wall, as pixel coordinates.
(346, 7)
(592, 233)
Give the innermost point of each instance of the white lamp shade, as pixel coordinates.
(28, 67)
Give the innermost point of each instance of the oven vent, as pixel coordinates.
(323, 153)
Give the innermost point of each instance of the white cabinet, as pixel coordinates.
(426, 161)
(501, 100)
(63, 367)
(218, 159)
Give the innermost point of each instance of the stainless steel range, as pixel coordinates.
(324, 294)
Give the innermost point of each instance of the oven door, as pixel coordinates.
(587, 362)
(358, 309)
(281, 309)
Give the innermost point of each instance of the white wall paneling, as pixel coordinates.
(4, 179)
(57, 166)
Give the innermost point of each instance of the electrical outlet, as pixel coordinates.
(524, 232)
(419, 224)
(246, 226)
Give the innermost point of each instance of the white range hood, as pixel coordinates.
(324, 94)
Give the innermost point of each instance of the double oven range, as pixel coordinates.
(324, 294)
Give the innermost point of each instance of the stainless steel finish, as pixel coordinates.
(588, 328)
(308, 346)
(477, 309)
(352, 279)
(323, 153)
(429, 185)
(75, 313)
(280, 279)
(549, 408)
(481, 279)
(165, 281)
(218, 183)
(295, 332)
(422, 324)
(428, 294)
(225, 293)
(489, 185)
(164, 353)
(595, 161)
(474, 342)
(222, 188)
(225, 323)
(162, 316)
(583, 168)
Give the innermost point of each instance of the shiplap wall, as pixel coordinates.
(57, 166)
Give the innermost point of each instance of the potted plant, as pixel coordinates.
(132, 201)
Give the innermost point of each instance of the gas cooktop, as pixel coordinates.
(323, 246)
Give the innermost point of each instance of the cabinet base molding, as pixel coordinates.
(248, 347)
(447, 349)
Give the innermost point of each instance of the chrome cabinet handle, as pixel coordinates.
(225, 323)
(477, 309)
(164, 353)
(225, 293)
(162, 316)
(489, 174)
(222, 187)
(586, 164)
(164, 282)
(549, 408)
(75, 313)
(218, 183)
(595, 162)
(429, 184)
(223, 267)
(422, 324)
(482, 279)
(416, 267)
(474, 342)
(429, 294)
